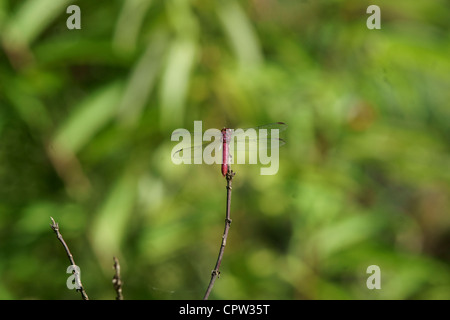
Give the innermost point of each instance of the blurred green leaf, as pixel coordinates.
(86, 118)
(175, 82)
(129, 24)
(142, 80)
(240, 33)
(109, 226)
(31, 18)
(89, 117)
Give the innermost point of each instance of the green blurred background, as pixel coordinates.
(86, 118)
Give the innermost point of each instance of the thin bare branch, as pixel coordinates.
(54, 225)
(215, 273)
(117, 281)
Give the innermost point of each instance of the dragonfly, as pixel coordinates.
(227, 141)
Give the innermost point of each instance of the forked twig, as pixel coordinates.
(215, 273)
(117, 281)
(54, 225)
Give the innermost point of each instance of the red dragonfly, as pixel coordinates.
(229, 140)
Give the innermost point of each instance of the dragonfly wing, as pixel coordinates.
(195, 152)
(271, 143)
(189, 153)
(257, 144)
(252, 133)
(276, 125)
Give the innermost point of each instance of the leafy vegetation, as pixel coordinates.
(86, 118)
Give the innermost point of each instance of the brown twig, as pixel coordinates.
(117, 281)
(215, 273)
(55, 228)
